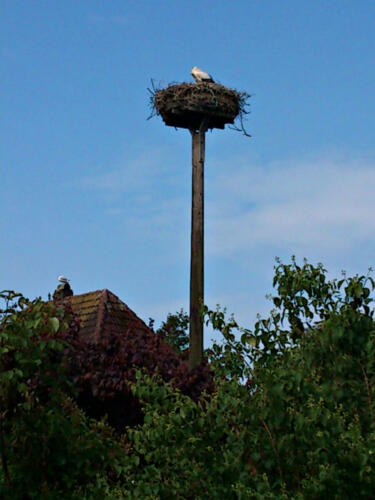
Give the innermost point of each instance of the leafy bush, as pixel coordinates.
(103, 374)
(48, 445)
(293, 411)
(288, 414)
(45, 438)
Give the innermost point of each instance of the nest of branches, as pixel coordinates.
(200, 105)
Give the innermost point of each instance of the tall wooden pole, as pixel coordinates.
(197, 247)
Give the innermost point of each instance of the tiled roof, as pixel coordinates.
(101, 313)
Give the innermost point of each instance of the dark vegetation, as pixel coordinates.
(174, 331)
(284, 410)
(103, 374)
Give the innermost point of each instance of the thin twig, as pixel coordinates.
(274, 447)
(369, 400)
(4, 461)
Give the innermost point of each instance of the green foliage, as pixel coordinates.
(192, 450)
(48, 446)
(56, 451)
(27, 338)
(293, 412)
(175, 331)
(292, 415)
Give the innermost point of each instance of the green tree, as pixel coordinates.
(291, 415)
(49, 448)
(175, 331)
(293, 411)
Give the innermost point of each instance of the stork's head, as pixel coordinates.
(62, 279)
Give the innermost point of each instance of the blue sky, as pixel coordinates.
(92, 190)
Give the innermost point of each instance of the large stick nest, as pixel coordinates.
(197, 105)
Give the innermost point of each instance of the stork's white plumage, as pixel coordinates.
(62, 279)
(201, 76)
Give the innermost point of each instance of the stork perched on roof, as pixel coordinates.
(201, 76)
(63, 289)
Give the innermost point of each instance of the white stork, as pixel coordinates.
(62, 279)
(201, 76)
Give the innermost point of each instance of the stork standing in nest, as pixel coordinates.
(201, 76)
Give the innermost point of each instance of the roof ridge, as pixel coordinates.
(129, 309)
(102, 309)
(102, 313)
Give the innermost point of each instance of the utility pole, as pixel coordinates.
(197, 107)
(197, 246)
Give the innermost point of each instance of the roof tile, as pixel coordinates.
(102, 313)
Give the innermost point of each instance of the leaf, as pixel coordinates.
(249, 339)
(22, 387)
(54, 323)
